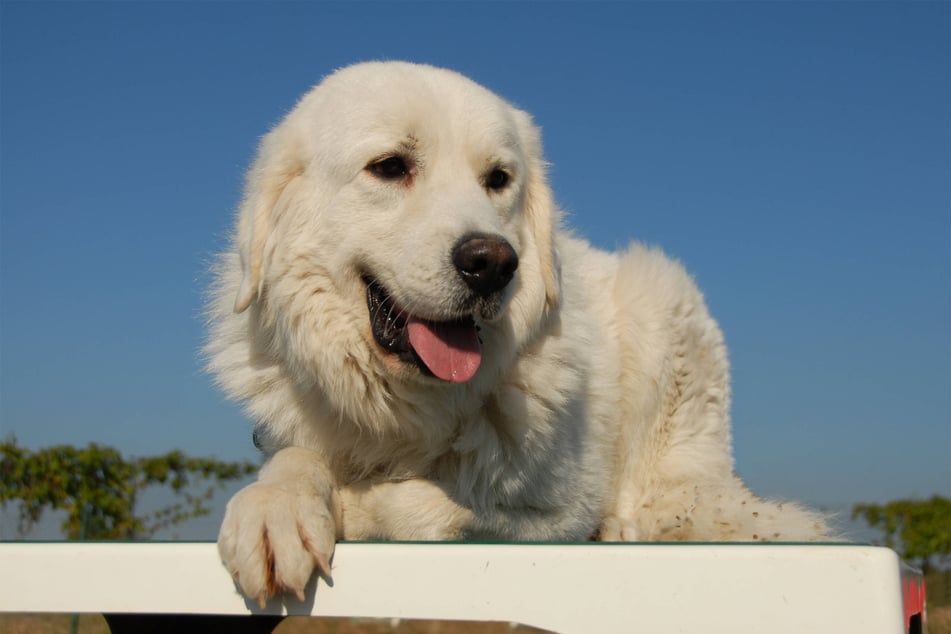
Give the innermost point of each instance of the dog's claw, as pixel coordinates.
(323, 565)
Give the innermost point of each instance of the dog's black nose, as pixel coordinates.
(486, 263)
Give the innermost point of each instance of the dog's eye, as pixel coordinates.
(497, 179)
(390, 168)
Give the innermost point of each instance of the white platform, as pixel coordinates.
(702, 588)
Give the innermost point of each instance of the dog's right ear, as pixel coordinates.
(269, 186)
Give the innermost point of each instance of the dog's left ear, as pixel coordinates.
(544, 217)
(269, 185)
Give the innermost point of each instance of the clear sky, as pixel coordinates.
(794, 155)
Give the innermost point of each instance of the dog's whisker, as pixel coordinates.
(389, 313)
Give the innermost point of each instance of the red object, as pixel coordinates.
(913, 600)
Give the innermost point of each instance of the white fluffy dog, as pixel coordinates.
(428, 355)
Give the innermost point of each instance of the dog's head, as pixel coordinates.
(406, 207)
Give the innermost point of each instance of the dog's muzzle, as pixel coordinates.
(446, 349)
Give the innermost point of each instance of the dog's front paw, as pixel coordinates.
(617, 529)
(273, 537)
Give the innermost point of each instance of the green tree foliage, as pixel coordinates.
(107, 485)
(918, 529)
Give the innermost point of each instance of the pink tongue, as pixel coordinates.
(451, 350)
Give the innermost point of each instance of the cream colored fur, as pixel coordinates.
(600, 410)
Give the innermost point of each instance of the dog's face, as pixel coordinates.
(399, 214)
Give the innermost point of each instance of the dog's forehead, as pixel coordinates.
(396, 98)
(405, 81)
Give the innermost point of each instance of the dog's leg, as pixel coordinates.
(277, 530)
(712, 512)
(412, 510)
(731, 511)
(423, 510)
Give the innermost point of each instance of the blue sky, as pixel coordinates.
(794, 155)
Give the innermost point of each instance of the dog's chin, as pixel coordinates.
(446, 349)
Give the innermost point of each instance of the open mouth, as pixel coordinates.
(448, 350)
